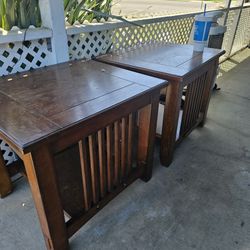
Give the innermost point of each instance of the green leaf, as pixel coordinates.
(98, 13)
(89, 10)
(19, 12)
(10, 13)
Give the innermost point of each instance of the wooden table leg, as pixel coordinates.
(208, 91)
(170, 122)
(147, 134)
(41, 175)
(5, 181)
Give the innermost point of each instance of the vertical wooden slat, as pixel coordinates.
(204, 83)
(186, 109)
(130, 141)
(198, 96)
(102, 162)
(93, 169)
(85, 176)
(117, 152)
(192, 103)
(144, 118)
(201, 90)
(109, 157)
(193, 115)
(124, 147)
(189, 109)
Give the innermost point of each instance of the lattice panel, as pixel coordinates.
(87, 45)
(8, 155)
(228, 35)
(23, 56)
(172, 31)
(242, 37)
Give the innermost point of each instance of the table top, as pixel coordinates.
(167, 61)
(40, 103)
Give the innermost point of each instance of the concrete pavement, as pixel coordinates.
(142, 8)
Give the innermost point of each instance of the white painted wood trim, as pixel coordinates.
(52, 14)
(21, 35)
(111, 25)
(93, 27)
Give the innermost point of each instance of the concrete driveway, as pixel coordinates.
(139, 8)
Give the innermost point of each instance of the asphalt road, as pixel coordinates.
(137, 8)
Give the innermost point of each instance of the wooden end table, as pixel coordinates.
(83, 134)
(182, 68)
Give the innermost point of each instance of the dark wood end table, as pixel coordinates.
(183, 69)
(83, 133)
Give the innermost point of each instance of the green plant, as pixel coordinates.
(21, 13)
(82, 10)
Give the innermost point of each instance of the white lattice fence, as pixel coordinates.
(229, 32)
(242, 37)
(84, 45)
(23, 56)
(88, 42)
(87, 45)
(8, 155)
(172, 31)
